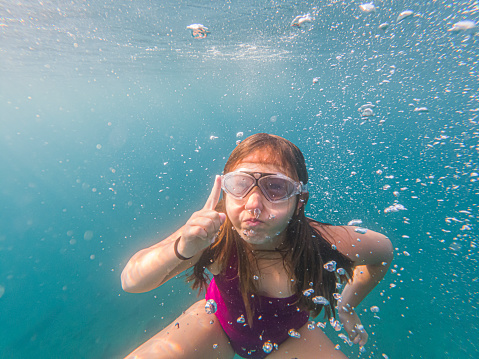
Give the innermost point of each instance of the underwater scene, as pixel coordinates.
(115, 117)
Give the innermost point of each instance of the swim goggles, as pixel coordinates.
(276, 187)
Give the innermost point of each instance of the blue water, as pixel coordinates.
(114, 121)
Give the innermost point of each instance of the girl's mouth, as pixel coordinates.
(253, 222)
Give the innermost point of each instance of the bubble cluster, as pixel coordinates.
(395, 208)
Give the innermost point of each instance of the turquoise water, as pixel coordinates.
(114, 121)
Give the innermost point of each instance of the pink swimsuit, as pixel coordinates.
(272, 320)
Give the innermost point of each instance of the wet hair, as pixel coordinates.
(308, 245)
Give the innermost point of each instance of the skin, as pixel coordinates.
(196, 334)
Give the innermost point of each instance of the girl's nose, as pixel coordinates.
(255, 199)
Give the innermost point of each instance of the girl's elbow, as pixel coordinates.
(127, 284)
(387, 250)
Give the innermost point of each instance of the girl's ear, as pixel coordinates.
(303, 200)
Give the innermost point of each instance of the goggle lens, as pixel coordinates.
(276, 188)
(238, 185)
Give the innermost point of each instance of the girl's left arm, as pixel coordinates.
(371, 253)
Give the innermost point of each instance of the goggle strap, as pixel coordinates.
(304, 188)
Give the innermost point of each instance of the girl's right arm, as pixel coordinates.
(153, 266)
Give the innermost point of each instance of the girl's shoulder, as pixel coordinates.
(362, 246)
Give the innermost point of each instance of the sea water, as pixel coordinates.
(114, 121)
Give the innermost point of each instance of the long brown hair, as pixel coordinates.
(305, 250)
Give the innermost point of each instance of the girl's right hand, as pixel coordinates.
(201, 229)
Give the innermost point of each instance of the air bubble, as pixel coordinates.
(383, 26)
(320, 300)
(301, 20)
(404, 15)
(335, 324)
(346, 339)
(294, 334)
(308, 292)
(374, 309)
(367, 8)
(210, 306)
(198, 31)
(355, 222)
(240, 319)
(268, 347)
(330, 266)
(463, 25)
(248, 232)
(361, 230)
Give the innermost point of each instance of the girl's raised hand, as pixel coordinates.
(201, 229)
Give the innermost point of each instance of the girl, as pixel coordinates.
(272, 266)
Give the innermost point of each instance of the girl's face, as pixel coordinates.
(257, 220)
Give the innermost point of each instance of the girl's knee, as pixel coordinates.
(194, 334)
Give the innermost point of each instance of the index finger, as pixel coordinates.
(214, 197)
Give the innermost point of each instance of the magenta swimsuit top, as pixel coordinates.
(272, 319)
